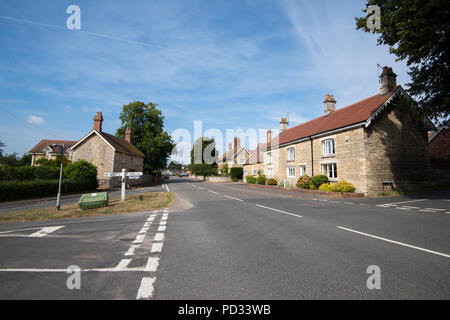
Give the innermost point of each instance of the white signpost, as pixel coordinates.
(124, 174)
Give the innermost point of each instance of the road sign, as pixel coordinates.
(113, 174)
(134, 177)
(134, 174)
(64, 160)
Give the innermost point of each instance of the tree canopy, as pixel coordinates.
(204, 157)
(146, 123)
(418, 32)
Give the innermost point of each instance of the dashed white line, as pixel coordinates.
(162, 228)
(45, 231)
(123, 264)
(425, 210)
(152, 264)
(349, 202)
(130, 251)
(144, 230)
(163, 223)
(139, 238)
(394, 203)
(213, 192)
(146, 288)
(434, 209)
(156, 247)
(233, 198)
(159, 236)
(396, 242)
(402, 208)
(167, 187)
(288, 213)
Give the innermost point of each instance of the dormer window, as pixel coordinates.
(328, 147)
(291, 154)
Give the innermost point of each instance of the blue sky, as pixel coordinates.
(231, 64)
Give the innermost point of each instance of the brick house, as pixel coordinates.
(47, 149)
(107, 152)
(373, 143)
(236, 156)
(440, 143)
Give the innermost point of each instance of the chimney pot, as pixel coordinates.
(330, 104)
(98, 121)
(284, 123)
(128, 134)
(388, 80)
(269, 136)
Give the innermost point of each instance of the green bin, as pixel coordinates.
(93, 200)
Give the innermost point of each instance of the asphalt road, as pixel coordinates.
(236, 242)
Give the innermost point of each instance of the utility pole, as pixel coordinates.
(122, 194)
(62, 152)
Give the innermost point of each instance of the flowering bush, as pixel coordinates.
(271, 182)
(341, 186)
(304, 182)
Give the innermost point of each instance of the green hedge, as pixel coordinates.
(13, 190)
(318, 180)
(236, 173)
(261, 179)
(27, 173)
(250, 179)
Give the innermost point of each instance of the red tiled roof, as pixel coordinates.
(256, 156)
(44, 143)
(121, 144)
(355, 113)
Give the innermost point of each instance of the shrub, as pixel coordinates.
(80, 169)
(271, 182)
(318, 180)
(261, 179)
(326, 187)
(304, 182)
(236, 173)
(250, 179)
(26, 173)
(344, 186)
(282, 184)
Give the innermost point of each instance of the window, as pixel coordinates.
(330, 170)
(302, 170)
(269, 158)
(291, 172)
(262, 171)
(270, 173)
(255, 172)
(291, 154)
(241, 161)
(328, 147)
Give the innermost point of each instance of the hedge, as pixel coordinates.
(8, 173)
(261, 179)
(341, 186)
(271, 182)
(318, 180)
(13, 190)
(236, 173)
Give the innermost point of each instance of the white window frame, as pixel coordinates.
(290, 172)
(269, 158)
(330, 170)
(291, 154)
(302, 170)
(328, 147)
(270, 173)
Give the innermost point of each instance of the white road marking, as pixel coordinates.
(434, 209)
(163, 223)
(123, 264)
(213, 192)
(139, 238)
(150, 219)
(233, 198)
(393, 203)
(144, 230)
(163, 218)
(411, 207)
(424, 210)
(45, 231)
(201, 188)
(402, 208)
(167, 187)
(349, 202)
(288, 213)
(159, 236)
(147, 224)
(130, 251)
(162, 228)
(156, 247)
(396, 242)
(152, 264)
(146, 288)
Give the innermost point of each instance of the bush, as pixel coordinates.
(344, 186)
(304, 182)
(261, 179)
(282, 184)
(13, 190)
(318, 180)
(250, 179)
(9, 173)
(80, 169)
(326, 187)
(236, 173)
(271, 182)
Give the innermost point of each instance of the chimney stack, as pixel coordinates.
(98, 120)
(269, 136)
(330, 104)
(128, 134)
(283, 125)
(388, 81)
(237, 143)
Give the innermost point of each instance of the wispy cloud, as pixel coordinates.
(35, 120)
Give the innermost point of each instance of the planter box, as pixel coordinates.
(93, 200)
(298, 190)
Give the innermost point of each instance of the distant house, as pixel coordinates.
(439, 142)
(374, 143)
(255, 162)
(107, 152)
(46, 149)
(236, 156)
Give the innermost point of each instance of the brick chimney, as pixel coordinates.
(128, 134)
(388, 80)
(98, 120)
(269, 136)
(237, 143)
(330, 104)
(284, 123)
(230, 146)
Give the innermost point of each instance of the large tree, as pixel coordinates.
(204, 157)
(146, 123)
(1, 148)
(418, 31)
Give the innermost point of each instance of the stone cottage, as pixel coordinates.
(236, 156)
(49, 149)
(107, 152)
(377, 143)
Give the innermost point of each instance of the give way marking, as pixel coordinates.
(42, 232)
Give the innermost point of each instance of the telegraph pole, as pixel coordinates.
(58, 199)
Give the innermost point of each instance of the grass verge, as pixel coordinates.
(150, 201)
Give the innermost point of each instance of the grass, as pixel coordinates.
(150, 201)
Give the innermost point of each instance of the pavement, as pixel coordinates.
(231, 241)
